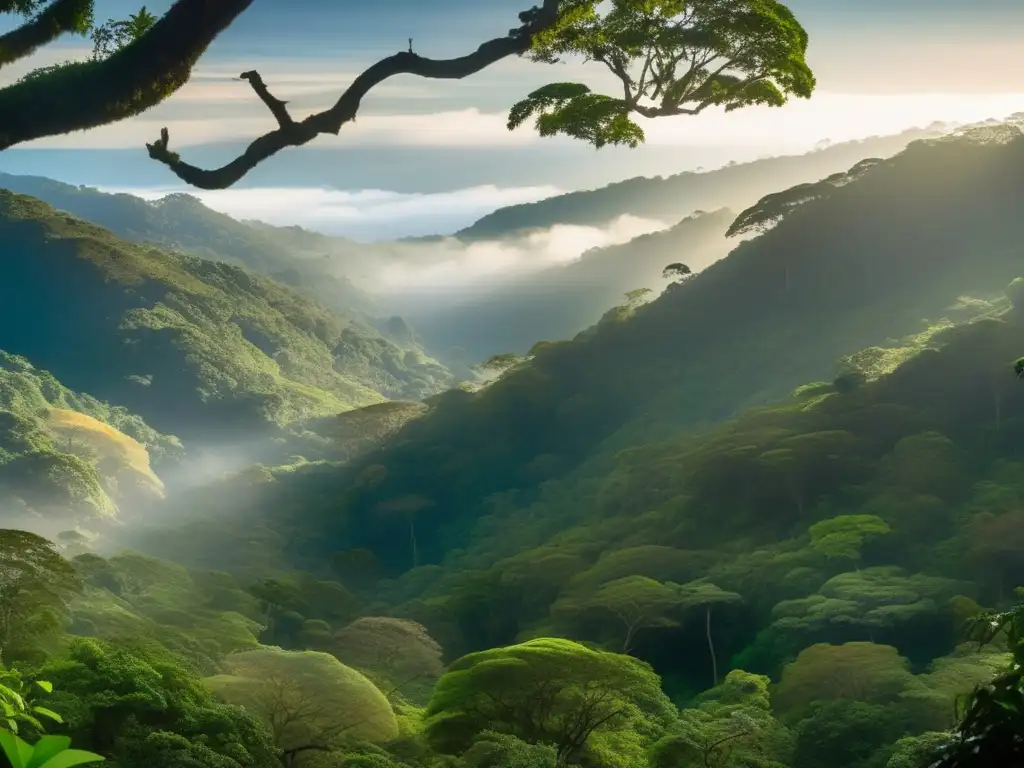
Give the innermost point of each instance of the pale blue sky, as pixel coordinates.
(882, 65)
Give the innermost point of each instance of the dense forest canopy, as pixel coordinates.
(767, 516)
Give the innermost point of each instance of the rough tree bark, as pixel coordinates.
(91, 94)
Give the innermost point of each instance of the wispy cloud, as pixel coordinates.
(370, 214)
(411, 267)
(450, 266)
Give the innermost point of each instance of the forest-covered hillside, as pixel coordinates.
(196, 347)
(798, 578)
(846, 271)
(672, 197)
(693, 536)
(290, 255)
(67, 458)
(559, 301)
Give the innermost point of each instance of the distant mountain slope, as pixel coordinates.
(288, 254)
(195, 346)
(848, 270)
(672, 197)
(560, 301)
(67, 458)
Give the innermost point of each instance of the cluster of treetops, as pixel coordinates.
(824, 582)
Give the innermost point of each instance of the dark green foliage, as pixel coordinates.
(56, 17)
(578, 403)
(845, 734)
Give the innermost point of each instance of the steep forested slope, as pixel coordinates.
(671, 197)
(562, 300)
(67, 458)
(288, 254)
(195, 346)
(899, 243)
(837, 542)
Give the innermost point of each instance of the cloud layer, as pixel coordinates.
(367, 215)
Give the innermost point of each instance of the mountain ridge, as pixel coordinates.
(210, 342)
(659, 197)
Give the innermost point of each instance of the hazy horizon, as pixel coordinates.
(427, 151)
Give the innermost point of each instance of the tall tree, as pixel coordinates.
(671, 57)
(547, 691)
(35, 582)
(309, 700)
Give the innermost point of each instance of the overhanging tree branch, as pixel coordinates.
(290, 133)
(61, 17)
(89, 94)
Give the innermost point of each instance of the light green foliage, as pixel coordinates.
(549, 691)
(731, 726)
(933, 696)
(44, 469)
(18, 703)
(845, 535)
(132, 597)
(115, 34)
(141, 706)
(858, 671)
(309, 700)
(48, 752)
(734, 54)
(204, 337)
(917, 751)
(502, 750)
(880, 597)
(396, 653)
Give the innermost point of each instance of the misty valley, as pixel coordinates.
(719, 468)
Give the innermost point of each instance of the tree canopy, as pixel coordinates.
(671, 57)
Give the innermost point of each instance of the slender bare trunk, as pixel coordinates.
(711, 648)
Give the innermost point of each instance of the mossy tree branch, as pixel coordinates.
(290, 133)
(62, 17)
(84, 95)
(736, 53)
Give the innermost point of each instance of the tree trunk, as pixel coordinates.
(711, 648)
(627, 644)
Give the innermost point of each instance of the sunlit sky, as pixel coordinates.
(882, 65)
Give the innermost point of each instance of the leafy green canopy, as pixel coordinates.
(672, 57)
(548, 691)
